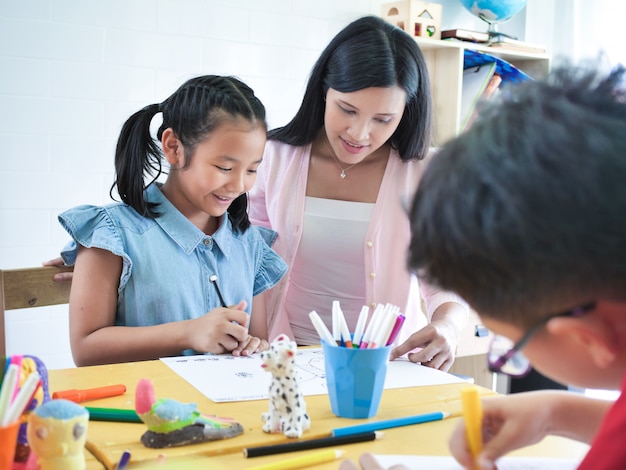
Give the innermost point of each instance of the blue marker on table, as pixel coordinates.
(123, 463)
(390, 423)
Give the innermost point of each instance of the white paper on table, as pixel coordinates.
(226, 378)
(421, 462)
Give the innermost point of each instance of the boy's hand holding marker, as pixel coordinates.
(382, 330)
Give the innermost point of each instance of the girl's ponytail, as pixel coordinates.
(137, 155)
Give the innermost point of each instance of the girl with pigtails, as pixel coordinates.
(176, 267)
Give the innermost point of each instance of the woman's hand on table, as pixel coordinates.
(435, 344)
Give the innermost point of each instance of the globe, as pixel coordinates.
(494, 11)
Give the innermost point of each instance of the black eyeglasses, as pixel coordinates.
(505, 357)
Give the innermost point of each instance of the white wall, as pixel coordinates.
(71, 71)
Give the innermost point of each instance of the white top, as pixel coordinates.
(328, 266)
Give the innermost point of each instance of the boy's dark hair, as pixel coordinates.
(193, 111)
(523, 215)
(369, 52)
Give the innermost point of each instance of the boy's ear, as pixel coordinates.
(591, 332)
(172, 147)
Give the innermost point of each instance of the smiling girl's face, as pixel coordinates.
(222, 168)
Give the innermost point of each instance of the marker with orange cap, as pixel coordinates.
(79, 396)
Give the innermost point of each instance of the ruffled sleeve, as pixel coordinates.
(92, 227)
(271, 267)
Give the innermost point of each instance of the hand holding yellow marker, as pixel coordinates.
(473, 416)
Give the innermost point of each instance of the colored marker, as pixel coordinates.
(113, 414)
(16, 359)
(385, 326)
(372, 326)
(311, 444)
(389, 423)
(22, 399)
(336, 327)
(79, 396)
(473, 416)
(9, 383)
(321, 329)
(343, 326)
(360, 326)
(124, 459)
(4, 364)
(301, 462)
(396, 329)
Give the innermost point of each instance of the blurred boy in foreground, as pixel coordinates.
(523, 216)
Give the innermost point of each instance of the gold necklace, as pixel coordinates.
(342, 175)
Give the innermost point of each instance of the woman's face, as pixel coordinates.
(359, 123)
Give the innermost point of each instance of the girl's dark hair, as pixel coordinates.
(369, 52)
(195, 110)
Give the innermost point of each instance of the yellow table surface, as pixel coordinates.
(108, 440)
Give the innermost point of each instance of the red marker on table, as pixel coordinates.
(78, 396)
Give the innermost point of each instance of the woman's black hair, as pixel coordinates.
(369, 52)
(195, 110)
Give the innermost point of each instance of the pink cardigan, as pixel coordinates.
(277, 201)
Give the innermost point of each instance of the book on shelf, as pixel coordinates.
(465, 35)
(488, 93)
(475, 82)
(495, 41)
(492, 87)
(506, 42)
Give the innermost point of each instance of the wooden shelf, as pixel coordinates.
(445, 66)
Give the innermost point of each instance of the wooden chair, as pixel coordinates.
(30, 287)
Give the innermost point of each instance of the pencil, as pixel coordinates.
(389, 423)
(473, 416)
(213, 279)
(311, 444)
(113, 414)
(301, 462)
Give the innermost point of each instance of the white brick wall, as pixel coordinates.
(71, 71)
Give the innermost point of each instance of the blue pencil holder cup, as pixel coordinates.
(355, 379)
